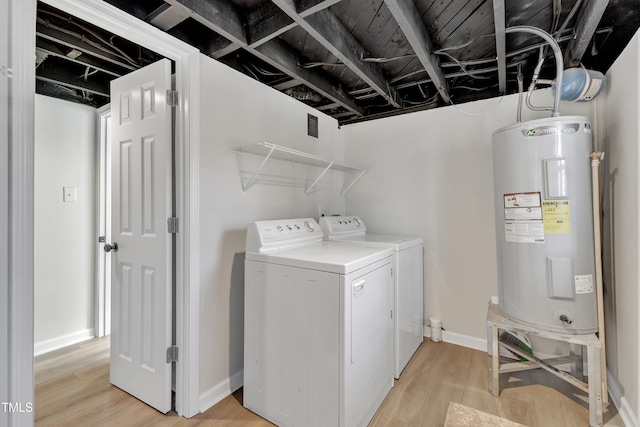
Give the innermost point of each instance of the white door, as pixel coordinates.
(141, 279)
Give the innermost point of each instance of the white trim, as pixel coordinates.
(52, 344)
(5, 368)
(22, 21)
(103, 210)
(460, 339)
(186, 57)
(221, 390)
(622, 404)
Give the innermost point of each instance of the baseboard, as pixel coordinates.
(460, 339)
(63, 341)
(221, 390)
(622, 405)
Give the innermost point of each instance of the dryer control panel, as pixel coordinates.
(333, 226)
(264, 236)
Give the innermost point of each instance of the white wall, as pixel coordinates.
(621, 206)
(235, 111)
(64, 231)
(430, 174)
(4, 211)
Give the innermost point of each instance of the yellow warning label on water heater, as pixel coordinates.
(556, 216)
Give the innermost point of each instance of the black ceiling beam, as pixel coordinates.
(167, 16)
(267, 22)
(586, 25)
(413, 27)
(221, 17)
(327, 30)
(283, 58)
(308, 7)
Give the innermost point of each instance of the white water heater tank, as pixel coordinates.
(544, 224)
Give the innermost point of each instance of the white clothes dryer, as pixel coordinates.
(408, 280)
(318, 342)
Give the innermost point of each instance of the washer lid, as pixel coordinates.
(397, 241)
(326, 255)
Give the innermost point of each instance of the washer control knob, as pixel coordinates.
(309, 226)
(279, 228)
(356, 222)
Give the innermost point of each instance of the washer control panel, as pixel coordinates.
(276, 234)
(339, 225)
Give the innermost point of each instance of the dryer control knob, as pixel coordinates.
(309, 226)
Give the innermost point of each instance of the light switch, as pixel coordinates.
(70, 194)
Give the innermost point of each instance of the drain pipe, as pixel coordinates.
(556, 52)
(596, 157)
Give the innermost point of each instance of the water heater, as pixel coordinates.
(544, 224)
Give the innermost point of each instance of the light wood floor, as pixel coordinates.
(72, 389)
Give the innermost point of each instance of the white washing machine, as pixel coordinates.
(318, 341)
(408, 280)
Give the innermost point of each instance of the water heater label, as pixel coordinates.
(556, 216)
(584, 284)
(522, 200)
(567, 128)
(524, 231)
(523, 218)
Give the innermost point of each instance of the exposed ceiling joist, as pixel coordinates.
(413, 27)
(309, 7)
(167, 16)
(586, 25)
(278, 56)
(267, 22)
(325, 28)
(225, 20)
(501, 52)
(221, 16)
(353, 59)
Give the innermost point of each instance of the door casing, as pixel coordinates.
(21, 193)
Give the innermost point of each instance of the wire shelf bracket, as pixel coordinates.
(278, 152)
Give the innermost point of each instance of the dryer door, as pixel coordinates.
(371, 309)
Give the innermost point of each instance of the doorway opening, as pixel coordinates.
(186, 59)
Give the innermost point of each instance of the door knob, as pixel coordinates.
(109, 248)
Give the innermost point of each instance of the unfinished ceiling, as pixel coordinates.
(352, 59)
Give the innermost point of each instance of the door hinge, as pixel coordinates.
(6, 71)
(172, 225)
(172, 354)
(172, 98)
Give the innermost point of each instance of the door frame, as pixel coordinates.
(21, 193)
(103, 223)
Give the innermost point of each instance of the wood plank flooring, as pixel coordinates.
(72, 389)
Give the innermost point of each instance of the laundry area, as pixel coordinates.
(336, 266)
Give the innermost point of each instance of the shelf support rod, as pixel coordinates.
(253, 177)
(352, 182)
(318, 178)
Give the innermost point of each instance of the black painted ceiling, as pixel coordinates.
(353, 59)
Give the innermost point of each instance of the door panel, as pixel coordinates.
(141, 203)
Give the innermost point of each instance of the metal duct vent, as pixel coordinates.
(312, 125)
